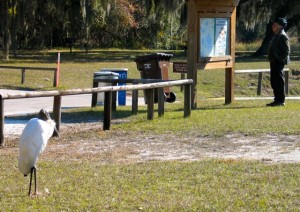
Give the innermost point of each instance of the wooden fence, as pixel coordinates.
(23, 69)
(260, 72)
(108, 93)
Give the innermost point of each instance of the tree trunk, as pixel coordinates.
(5, 28)
(263, 49)
(282, 12)
(14, 30)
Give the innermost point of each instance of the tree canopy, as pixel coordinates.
(123, 23)
(254, 19)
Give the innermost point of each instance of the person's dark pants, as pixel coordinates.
(277, 81)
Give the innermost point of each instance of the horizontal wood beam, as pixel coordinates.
(249, 71)
(28, 68)
(95, 90)
(107, 102)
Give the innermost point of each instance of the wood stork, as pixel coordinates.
(33, 141)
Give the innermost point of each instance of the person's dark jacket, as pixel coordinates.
(279, 48)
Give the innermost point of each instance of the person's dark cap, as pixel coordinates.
(281, 21)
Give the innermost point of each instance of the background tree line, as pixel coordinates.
(134, 24)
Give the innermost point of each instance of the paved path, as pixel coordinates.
(23, 106)
(33, 105)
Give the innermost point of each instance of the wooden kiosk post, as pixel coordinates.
(211, 41)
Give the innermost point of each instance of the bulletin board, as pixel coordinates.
(214, 41)
(211, 41)
(214, 37)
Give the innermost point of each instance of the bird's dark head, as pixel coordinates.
(44, 115)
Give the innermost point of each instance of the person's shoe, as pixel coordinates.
(272, 104)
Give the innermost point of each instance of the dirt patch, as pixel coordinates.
(88, 141)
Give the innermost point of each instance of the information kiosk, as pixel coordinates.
(211, 41)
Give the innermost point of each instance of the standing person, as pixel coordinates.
(278, 55)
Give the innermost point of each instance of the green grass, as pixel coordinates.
(209, 185)
(214, 118)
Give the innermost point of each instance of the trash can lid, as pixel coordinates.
(113, 69)
(105, 73)
(158, 56)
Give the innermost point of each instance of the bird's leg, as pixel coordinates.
(30, 180)
(33, 172)
(35, 180)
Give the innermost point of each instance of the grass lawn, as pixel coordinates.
(209, 185)
(81, 184)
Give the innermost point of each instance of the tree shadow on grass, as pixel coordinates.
(91, 56)
(16, 87)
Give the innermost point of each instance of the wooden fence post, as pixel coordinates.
(135, 102)
(286, 80)
(259, 84)
(229, 85)
(108, 93)
(23, 76)
(55, 81)
(187, 100)
(161, 102)
(150, 104)
(107, 110)
(182, 86)
(1, 121)
(57, 71)
(57, 113)
(114, 98)
(94, 95)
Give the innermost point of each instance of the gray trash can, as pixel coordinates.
(104, 75)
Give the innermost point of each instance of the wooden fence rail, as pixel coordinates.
(23, 69)
(108, 90)
(260, 72)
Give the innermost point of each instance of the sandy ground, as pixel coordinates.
(88, 141)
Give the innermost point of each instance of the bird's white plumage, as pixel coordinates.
(33, 141)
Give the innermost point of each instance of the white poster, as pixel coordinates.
(214, 38)
(207, 34)
(221, 36)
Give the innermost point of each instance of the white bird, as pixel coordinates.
(33, 141)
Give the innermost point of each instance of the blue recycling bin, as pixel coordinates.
(122, 75)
